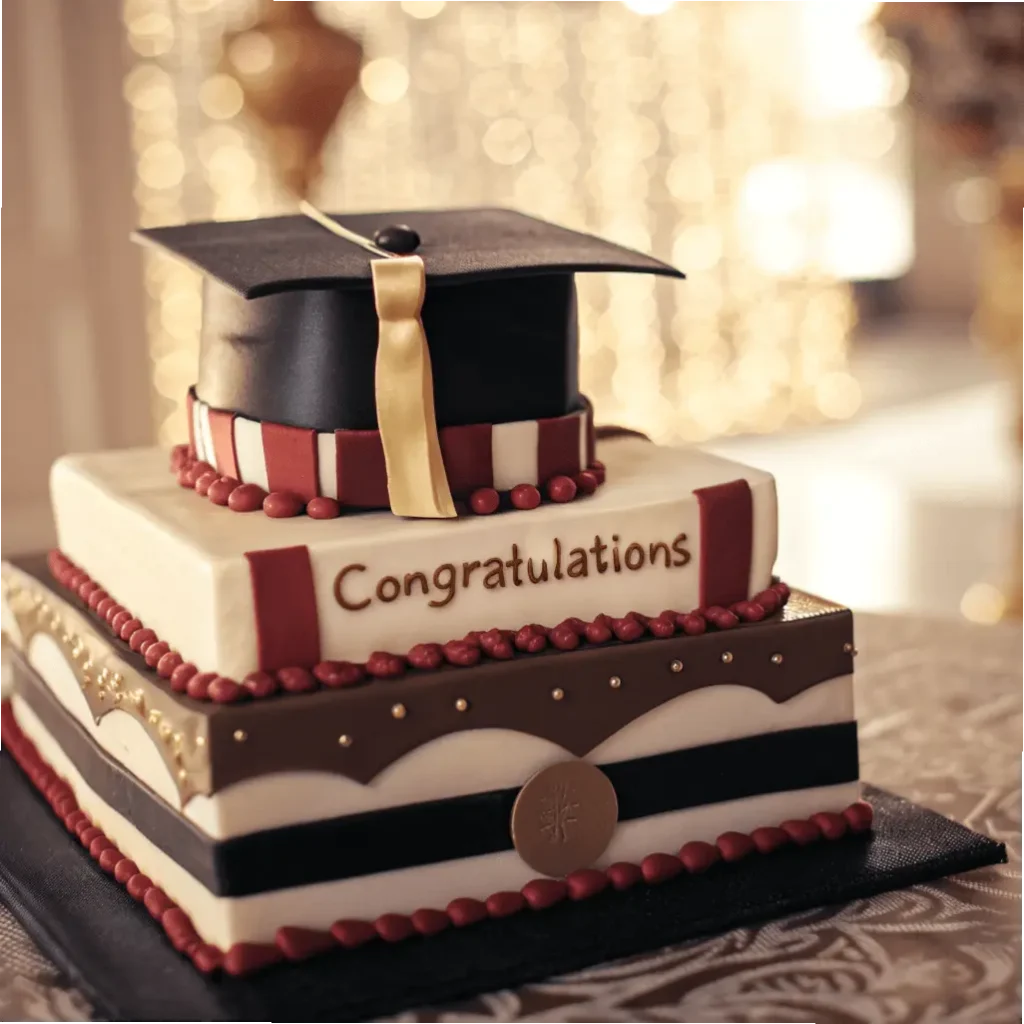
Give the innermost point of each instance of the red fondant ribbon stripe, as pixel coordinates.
(290, 454)
(559, 448)
(222, 431)
(726, 539)
(190, 402)
(287, 628)
(468, 459)
(290, 462)
(295, 943)
(362, 476)
(309, 673)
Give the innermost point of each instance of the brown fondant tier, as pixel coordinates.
(575, 699)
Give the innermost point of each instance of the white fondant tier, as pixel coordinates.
(178, 562)
(225, 921)
(499, 758)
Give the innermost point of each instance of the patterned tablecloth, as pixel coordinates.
(940, 711)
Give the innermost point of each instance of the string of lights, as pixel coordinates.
(757, 146)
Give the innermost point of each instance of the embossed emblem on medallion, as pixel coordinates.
(564, 817)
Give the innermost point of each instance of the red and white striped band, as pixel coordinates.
(348, 465)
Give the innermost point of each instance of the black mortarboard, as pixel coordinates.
(290, 331)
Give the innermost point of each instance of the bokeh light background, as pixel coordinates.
(758, 146)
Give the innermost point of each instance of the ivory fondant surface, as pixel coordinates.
(10, 635)
(455, 765)
(224, 921)
(119, 733)
(41, 649)
(178, 562)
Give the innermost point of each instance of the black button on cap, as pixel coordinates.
(397, 238)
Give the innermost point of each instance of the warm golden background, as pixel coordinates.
(840, 180)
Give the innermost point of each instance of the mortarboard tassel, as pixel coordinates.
(404, 381)
(417, 484)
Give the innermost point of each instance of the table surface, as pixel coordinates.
(939, 705)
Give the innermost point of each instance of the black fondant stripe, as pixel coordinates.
(115, 785)
(441, 830)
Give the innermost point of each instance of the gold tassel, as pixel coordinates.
(417, 484)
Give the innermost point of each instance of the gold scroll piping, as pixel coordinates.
(109, 684)
(417, 484)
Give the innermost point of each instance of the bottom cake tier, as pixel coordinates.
(298, 942)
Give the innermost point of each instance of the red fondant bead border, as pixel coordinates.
(496, 644)
(233, 494)
(294, 943)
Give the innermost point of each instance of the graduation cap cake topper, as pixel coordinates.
(441, 344)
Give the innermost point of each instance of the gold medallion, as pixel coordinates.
(564, 818)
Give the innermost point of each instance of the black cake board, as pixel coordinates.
(108, 945)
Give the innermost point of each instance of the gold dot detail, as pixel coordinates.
(777, 659)
(182, 775)
(848, 648)
(154, 717)
(200, 741)
(615, 682)
(727, 657)
(398, 711)
(240, 735)
(344, 740)
(462, 704)
(557, 693)
(676, 666)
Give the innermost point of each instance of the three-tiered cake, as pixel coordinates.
(397, 645)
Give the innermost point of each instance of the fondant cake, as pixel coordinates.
(400, 640)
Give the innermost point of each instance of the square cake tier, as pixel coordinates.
(235, 593)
